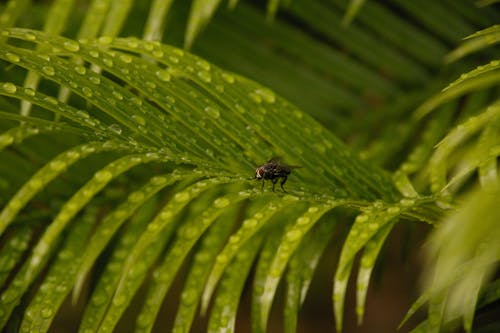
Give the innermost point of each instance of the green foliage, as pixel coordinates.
(127, 162)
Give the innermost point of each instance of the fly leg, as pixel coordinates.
(262, 187)
(275, 180)
(283, 181)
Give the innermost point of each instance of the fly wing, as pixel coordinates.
(274, 160)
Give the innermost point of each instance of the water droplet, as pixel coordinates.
(163, 75)
(312, 209)
(29, 92)
(6, 139)
(143, 320)
(87, 91)
(393, 210)
(182, 197)
(119, 300)
(362, 218)
(266, 94)
(103, 176)
(30, 37)
(108, 62)
(212, 112)
(117, 95)
(57, 165)
(133, 43)
(151, 85)
(115, 128)
(126, 58)
(158, 54)
(294, 235)
(94, 53)
(205, 76)
(221, 202)
(173, 59)
(136, 197)
(9, 295)
(80, 69)
(9, 87)
(170, 99)
(71, 46)
(228, 77)
(138, 119)
(49, 70)
(255, 97)
(12, 57)
(303, 220)
(407, 202)
(105, 40)
(83, 114)
(240, 108)
(46, 313)
(95, 79)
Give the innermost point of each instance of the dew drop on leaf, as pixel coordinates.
(80, 69)
(407, 202)
(57, 165)
(87, 91)
(393, 210)
(115, 128)
(46, 313)
(6, 140)
(266, 94)
(303, 220)
(173, 59)
(12, 57)
(221, 202)
(9, 87)
(294, 235)
(255, 97)
(126, 58)
(95, 79)
(29, 92)
(49, 70)
(158, 54)
(108, 62)
(105, 40)
(103, 176)
(182, 197)
(117, 95)
(163, 75)
(361, 218)
(205, 76)
(138, 119)
(30, 37)
(136, 197)
(228, 77)
(71, 46)
(212, 112)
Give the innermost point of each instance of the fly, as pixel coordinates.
(273, 170)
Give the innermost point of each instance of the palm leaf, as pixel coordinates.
(131, 159)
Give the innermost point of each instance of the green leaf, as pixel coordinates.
(60, 278)
(477, 41)
(223, 314)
